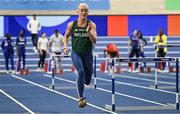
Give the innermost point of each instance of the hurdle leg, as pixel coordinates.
(95, 72)
(113, 86)
(119, 68)
(106, 68)
(60, 68)
(53, 78)
(155, 71)
(53, 71)
(177, 84)
(156, 77)
(17, 65)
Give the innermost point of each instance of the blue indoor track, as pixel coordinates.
(133, 89)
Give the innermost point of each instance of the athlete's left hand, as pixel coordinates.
(89, 28)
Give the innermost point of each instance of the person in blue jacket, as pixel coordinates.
(20, 49)
(8, 51)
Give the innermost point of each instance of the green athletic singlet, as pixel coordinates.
(81, 42)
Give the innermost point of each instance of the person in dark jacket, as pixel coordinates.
(20, 47)
(8, 52)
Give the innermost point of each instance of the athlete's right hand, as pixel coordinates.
(66, 51)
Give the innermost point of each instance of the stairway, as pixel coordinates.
(121, 42)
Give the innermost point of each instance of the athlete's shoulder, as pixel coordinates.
(70, 24)
(93, 23)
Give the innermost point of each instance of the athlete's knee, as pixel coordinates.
(88, 80)
(81, 73)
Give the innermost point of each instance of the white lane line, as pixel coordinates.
(159, 75)
(17, 102)
(132, 97)
(105, 90)
(138, 86)
(60, 93)
(149, 80)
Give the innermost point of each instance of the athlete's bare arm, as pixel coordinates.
(91, 29)
(66, 37)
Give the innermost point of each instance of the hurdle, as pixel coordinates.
(113, 107)
(162, 46)
(156, 66)
(53, 68)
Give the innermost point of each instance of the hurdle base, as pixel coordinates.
(173, 70)
(163, 87)
(61, 87)
(24, 71)
(141, 108)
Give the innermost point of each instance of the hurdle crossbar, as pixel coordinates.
(146, 59)
(167, 45)
(141, 108)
